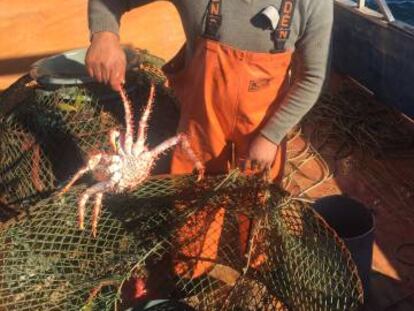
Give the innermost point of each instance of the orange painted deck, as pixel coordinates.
(386, 186)
(30, 30)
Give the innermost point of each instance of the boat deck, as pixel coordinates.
(325, 162)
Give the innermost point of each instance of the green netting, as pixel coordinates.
(292, 259)
(45, 140)
(46, 133)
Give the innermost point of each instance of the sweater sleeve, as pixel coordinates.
(105, 15)
(311, 59)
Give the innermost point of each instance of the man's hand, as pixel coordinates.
(106, 60)
(262, 153)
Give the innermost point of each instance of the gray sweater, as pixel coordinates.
(310, 39)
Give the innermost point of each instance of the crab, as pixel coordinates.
(129, 163)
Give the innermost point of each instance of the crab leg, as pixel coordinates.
(143, 123)
(97, 189)
(164, 146)
(197, 163)
(96, 212)
(129, 121)
(181, 138)
(92, 163)
(115, 141)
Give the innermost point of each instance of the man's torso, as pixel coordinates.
(242, 25)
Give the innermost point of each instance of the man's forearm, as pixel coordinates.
(312, 56)
(299, 100)
(105, 15)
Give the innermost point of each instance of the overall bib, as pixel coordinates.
(226, 95)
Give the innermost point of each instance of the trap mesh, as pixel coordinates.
(45, 140)
(288, 259)
(45, 134)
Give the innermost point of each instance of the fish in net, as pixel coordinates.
(287, 259)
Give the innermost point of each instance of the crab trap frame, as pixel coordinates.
(288, 259)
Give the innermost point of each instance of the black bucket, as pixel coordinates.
(355, 224)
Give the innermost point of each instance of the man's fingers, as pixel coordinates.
(116, 81)
(90, 71)
(255, 166)
(117, 77)
(97, 73)
(260, 166)
(105, 72)
(116, 85)
(247, 165)
(121, 69)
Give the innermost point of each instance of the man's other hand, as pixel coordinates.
(106, 60)
(262, 153)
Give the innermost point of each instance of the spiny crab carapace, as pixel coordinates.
(129, 163)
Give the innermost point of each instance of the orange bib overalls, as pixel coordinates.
(225, 95)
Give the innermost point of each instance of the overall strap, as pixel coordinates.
(282, 31)
(213, 20)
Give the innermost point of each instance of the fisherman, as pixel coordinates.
(248, 72)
